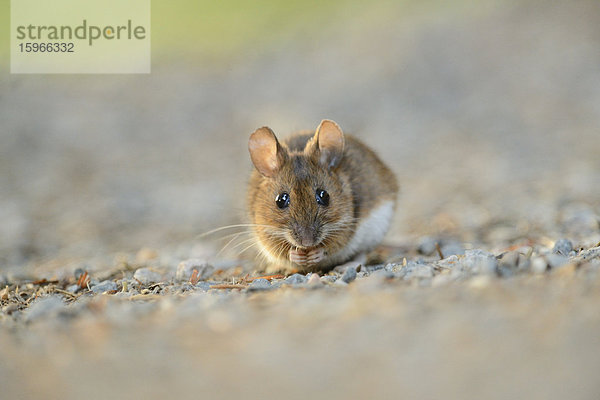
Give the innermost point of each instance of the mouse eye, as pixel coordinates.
(282, 200)
(322, 197)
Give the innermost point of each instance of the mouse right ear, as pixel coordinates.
(330, 142)
(265, 151)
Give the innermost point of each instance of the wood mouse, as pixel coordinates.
(317, 199)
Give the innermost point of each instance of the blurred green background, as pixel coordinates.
(219, 31)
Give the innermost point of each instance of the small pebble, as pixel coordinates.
(563, 246)
(539, 265)
(45, 307)
(202, 285)
(349, 274)
(382, 275)
(259, 284)
(295, 279)
(479, 262)
(329, 278)
(73, 288)
(512, 262)
(187, 267)
(427, 246)
(556, 260)
(104, 286)
(314, 280)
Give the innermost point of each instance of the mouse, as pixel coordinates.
(317, 199)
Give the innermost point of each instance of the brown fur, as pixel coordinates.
(356, 182)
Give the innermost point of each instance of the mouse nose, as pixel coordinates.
(306, 236)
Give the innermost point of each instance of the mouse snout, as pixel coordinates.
(305, 236)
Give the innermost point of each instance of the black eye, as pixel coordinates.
(282, 200)
(322, 197)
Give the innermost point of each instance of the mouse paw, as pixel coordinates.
(315, 256)
(297, 256)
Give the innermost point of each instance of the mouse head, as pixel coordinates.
(302, 201)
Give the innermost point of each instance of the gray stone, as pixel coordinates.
(556, 260)
(397, 268)
(370, 268)
(479, 262)
(202, 285)
(539, 265)
(146, 276)
(187, 267)
(414, 270)
(381, 275)
(104, 286)
(349, 274)
(452, 263)
(329, 278)
(563, 246)
(73, 288)
(314, 281)
(515, 262)
(427, 246)
(296, 279)
(259, 284)
(45, 307)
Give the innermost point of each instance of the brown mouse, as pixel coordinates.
(317, 200)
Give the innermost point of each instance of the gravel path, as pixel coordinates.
(488, 285)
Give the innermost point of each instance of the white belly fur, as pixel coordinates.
(369, 232)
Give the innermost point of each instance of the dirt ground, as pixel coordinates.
(488, 114)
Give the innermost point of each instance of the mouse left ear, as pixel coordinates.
(265, 151)
(330, 142)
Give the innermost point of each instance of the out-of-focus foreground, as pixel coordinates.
(488, 112)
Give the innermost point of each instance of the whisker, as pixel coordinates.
(231, 227)
(235, 246)
(235, 234)
(243, 242)
(252, 244)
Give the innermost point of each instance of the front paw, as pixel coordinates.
(315, 256)
(307, 257)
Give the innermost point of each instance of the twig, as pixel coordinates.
(439, 250)
(73, 296)
(228, 286)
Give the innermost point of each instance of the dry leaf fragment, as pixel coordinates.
(194, 278)
(4, 293)
(83, 280)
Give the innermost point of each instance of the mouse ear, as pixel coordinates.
(265, 151)
(330, 142)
